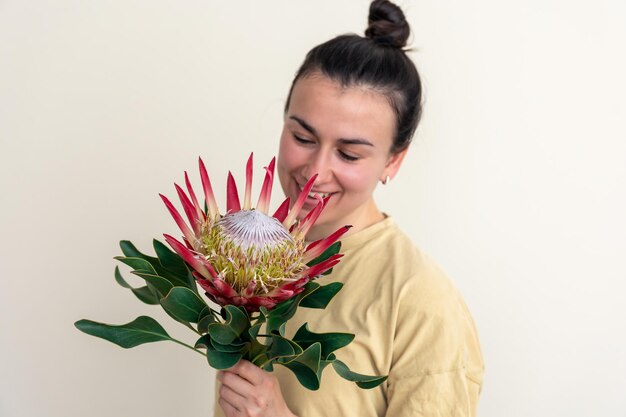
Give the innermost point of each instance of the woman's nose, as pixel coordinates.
(320, 164)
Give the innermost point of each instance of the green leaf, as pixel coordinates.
(323, 365)
(222, 360)
(222, 332)
(142, 330)
(183, 304)
(236, 322)
(204, 342)
(160, 284)
(178, 277)
(254, 330)
(363, 381)
(329, 342)
(321, 296)
(173, 267)
(263, 313)
(120, 279)
(311, 357)
(170, 259)
(280, 314)
(257, 353)
(277, 317)
(145, 294)
(283, 308)
(309, 287)
(232, 348)
(306, 367)
(137, 264)
(131, 251)
(306, 376)
(207, 343)
(282, 347)
(179, 281)
(206, 318)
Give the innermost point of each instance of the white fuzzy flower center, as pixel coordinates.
(252, 251)
(251, 228)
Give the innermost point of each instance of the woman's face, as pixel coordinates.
(344, 135)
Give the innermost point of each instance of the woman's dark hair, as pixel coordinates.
(377, 61)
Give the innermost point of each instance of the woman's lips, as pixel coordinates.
(311, 200)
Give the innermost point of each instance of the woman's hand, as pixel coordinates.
(249, 391)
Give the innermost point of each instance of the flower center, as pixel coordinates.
(252, 251)
(253, 229)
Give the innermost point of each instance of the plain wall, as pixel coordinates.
(515, 184)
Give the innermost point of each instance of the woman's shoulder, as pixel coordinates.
(395, 285)
(384, 250)
(384, 236)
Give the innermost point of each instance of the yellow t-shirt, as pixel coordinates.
(410, 323)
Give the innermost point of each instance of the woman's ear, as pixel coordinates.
(393, 164)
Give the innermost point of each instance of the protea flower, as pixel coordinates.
(247, 257)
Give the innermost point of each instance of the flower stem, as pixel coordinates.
(188, 346)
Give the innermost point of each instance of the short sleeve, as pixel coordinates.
(437, 364)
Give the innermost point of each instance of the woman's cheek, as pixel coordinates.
(356, 179)
(291, 154)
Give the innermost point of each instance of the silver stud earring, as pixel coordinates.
(386, 180)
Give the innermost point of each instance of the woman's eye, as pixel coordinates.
(348, 157)
(302, 140)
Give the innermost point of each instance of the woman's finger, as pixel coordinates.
(229, 409)
(232, 397)
(250, 372)
(235, 382)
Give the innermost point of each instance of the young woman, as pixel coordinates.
(350, 115)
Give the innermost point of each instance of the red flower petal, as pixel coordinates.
(322, 267)
(189, 235)
(266, 190)
(296, 286)
(297, 206)
(223, 287)
(208, 191)
(232, 197)
(247, 199)
(303, 228)
(196, 261)
(190, 210)
(282, 210)
(318, 247)
(199, 210)
(262, 302)
(208, 286)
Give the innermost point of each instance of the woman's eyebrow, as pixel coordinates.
(345, 141)
(356, 142)
(304, 125)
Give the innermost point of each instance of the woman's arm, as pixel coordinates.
(438, 364)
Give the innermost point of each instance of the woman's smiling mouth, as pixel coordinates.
(314, 194)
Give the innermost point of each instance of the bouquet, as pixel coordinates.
(254, 268)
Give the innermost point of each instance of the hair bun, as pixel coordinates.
(387, 24)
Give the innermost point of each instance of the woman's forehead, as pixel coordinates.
(326, 109)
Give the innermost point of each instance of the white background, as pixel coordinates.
(515, 184)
